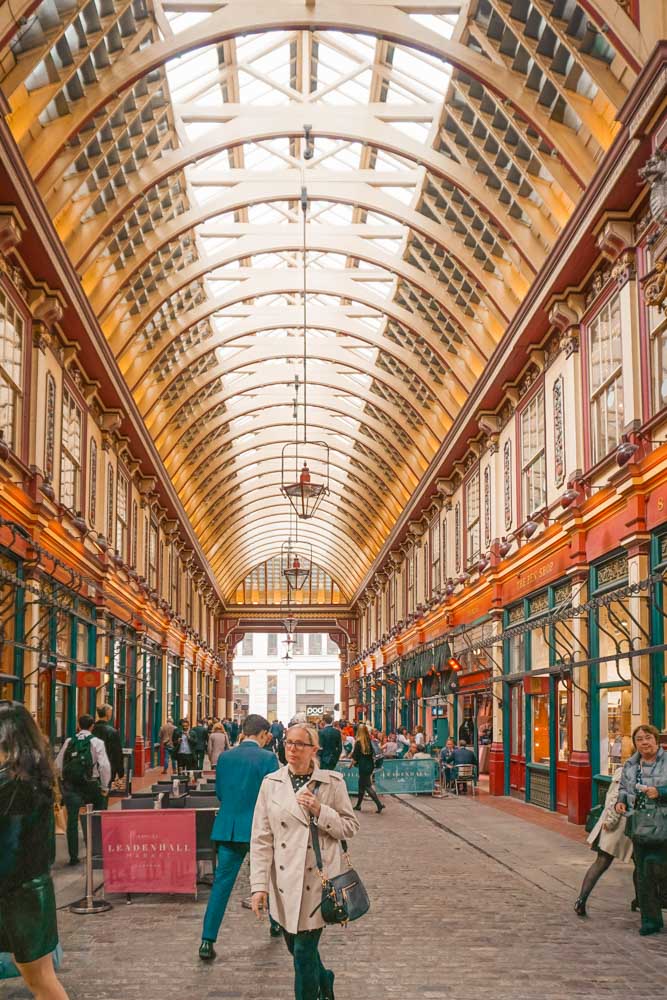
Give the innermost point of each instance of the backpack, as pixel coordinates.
(78, 762)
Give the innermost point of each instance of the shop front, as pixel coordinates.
(12, 600)
(537, 701)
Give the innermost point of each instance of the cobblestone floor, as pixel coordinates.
(468, 903)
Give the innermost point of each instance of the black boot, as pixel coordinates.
(580, 906)
(206, 951)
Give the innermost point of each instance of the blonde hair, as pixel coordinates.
(218, 727)
(313, 735)
(364, 738)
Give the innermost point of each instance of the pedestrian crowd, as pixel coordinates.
(284, 802)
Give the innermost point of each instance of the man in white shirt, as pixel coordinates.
(84, 767)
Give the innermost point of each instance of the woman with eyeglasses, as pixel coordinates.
(282, 859)
(28, 928)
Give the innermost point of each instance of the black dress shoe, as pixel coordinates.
(380, 808)
(73, 861)
(327, 992)
(206, 951)
(275, 930)
(580, 906)
(357, 809)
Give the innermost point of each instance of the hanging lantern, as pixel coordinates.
(296, 560)
(305, 489)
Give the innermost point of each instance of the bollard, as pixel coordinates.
(88, 904)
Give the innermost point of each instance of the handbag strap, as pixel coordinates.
(314, 833)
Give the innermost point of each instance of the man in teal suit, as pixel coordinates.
(238, 777)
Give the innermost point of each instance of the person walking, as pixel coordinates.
(198, 742)
(644, 781)
(183, 746)
(28, 924)
(86, 774)
(283, 878)
(164, 737)
(331, 744)
(234, 731)
(608, 840)
(239, 775)
(104, 731)
(218, 742)
(363, 758)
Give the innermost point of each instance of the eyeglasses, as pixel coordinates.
(297, 745)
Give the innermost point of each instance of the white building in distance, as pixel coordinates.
(267, 684)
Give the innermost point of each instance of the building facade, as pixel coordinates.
(267, 683)
(536, 558)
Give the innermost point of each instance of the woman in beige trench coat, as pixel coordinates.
(608, 840)
(282, 861)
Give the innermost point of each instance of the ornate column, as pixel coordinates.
(497, 762)
(579, 772)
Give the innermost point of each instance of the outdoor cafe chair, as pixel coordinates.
(465, 775)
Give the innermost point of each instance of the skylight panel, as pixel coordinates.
(251, 89)
(442, 24)
(402, 194)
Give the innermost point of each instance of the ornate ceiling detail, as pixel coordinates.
(452, 143)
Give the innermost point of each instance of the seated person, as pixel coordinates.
(412, 750)
(447, 761)
(463, 755)
(421, 754)
(390, 748)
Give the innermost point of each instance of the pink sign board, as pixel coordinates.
(152, 850)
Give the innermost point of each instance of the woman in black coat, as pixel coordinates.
(28, 927)
(362, 757)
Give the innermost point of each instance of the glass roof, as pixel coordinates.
(442, 145)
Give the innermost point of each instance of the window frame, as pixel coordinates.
(78, 471)
(122, 477)
(617, 377)
(17, 389)
(476, 524)
(525, 466)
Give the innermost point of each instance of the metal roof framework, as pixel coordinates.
(452, 141)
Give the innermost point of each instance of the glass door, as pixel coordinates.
(517, 741)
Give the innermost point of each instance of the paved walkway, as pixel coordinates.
(469, 902)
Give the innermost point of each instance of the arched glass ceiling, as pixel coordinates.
(452, 142)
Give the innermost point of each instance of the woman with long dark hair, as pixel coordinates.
(28, 928)
(363, 758)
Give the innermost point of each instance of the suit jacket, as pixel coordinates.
(111, 738)
(463, 755)
(239, 774)
(331, 746)
(199, 738)
(282, 861)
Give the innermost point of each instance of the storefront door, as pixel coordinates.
(517, 741)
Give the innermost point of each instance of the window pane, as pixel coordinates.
(615, 728)
(540, 728)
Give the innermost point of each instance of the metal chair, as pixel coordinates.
(466, 775)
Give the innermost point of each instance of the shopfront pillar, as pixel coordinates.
(639, 625)
(579, 772)
(496, 753)
(229, 695)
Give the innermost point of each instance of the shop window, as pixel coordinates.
(272, 644)
(517, 733)
(122, 489)
(533, 456)
(517, 653)
(241, 694)
(186, 693)
(615, 694)
(606, 379)
(246, 646)
(473, 537)
(539, 705)
(11, 368)
(564, 737)
(70, 458)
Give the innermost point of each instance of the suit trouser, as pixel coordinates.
(651, 865)
(310, 976)
(230, 859)
(74, 800)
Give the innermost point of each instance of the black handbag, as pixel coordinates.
(648, 826)
(592, 818)
(344, 897)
